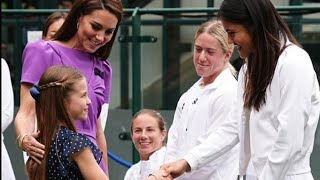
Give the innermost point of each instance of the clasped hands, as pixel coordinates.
(167, 171)
(172, 170)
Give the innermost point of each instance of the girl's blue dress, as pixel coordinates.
(63, 145)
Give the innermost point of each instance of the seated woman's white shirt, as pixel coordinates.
(143, 168)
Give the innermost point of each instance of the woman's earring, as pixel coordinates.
(77, 25)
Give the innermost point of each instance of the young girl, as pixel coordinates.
(62, 97)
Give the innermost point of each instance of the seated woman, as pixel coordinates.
(148, 133)
(53, 24)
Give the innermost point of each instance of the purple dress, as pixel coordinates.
(40, 55)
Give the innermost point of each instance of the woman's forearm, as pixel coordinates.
(102, 143)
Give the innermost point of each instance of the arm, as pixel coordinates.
(88, 166)
(102, 144)
(24, 124)
(211, 147)
(176, 168)
(6, 96)
(31, 73)
(222, 135)
(101, 122)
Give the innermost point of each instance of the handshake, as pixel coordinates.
(170, 171)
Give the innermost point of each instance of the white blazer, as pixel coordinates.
(282, 132)
(279, 138)
(7, 107)
(200, 112)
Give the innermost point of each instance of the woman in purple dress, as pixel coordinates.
(84, 42)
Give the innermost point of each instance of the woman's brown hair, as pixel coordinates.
(86, 7)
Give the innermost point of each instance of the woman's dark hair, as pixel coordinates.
(50, 20)
(86, 7)
(269, 35)
(55, 86)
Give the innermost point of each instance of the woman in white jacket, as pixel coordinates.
(278, 100)
(7, 107)
(205, 106)
(148, 133)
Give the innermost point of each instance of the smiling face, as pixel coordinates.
(78, 101)
(240, 37)
(209, 59)
(146, 135)
(94, 30)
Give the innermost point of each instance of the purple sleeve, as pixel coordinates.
(108, 80)
(36, 58)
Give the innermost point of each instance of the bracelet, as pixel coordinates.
(153, 176)
(17, 139)
(20, 139)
